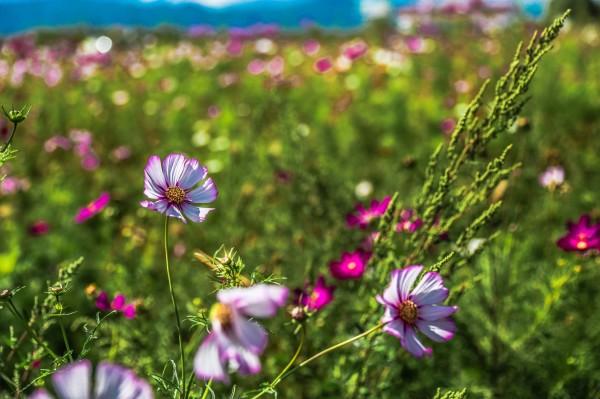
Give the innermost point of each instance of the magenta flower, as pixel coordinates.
(56, 142)
(552, 177)
(408, 309)
(93, 208)
(119, 304)
(408, 222)
(103, 302)
(75, 381)
(171, 187)
(582, 236)
(311, 47)
(317, 297)
(351, 266)
(323, 65)
(38, 228)
(355, 50)
(362, 216)
(236, 342)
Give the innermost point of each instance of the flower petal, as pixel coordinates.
(154, 178)
(205, 193)
(116, 382)
(249, 334)
(175, 212)
(438, 330)
(173, 169)
(40, 394)
(73, 380)
(195, 213)
(246, 362)
(261, 300)
(208, 362)
(193, 173)
(396, 328)
(430, 290)
(412, 344)
(405, 279)
(435, 312)
(157, 206)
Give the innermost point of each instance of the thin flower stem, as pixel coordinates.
(64, 335)
(206, 389)
(325, 351)
(294, 358)
(16, 313)
(174, 301)
(12, 134)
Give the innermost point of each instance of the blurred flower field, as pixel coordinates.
(318, 146)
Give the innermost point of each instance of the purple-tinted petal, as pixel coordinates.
(40, 394)
(102, 301)
(73, 380)
(154, 181)
(412, 344)
(175, 212)
(195, 213)
(405, 279)
(396, 328)
(129, 311)
(208, 362)
(430, 290)
(207, 192)
(261, 300)
(439, 330)
(249, 334)
(435, 312)
(246, 362)
(157, 206)
(117, 382)
(390, 313)
(173, 169)
(193, 173)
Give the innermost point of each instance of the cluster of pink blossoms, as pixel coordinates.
(81, 142)
(119, 303)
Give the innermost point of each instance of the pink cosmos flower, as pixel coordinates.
(355, 50)
(582, 236)
(119, 304)
(369, 241)
(56, 142)
(311, 47)
(408, 309)
(323, 65)
(362, 216)
(38, 228)
(236, 342)
(93, 208)
(317, 297)
(351, 266)
(552, 177)
(171, 187)
(256, 66)
(408, 222)
(75, 381)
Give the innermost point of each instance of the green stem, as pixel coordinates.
(174, 302)
(64, 335)
(293, 359)
(206, 389)
(16, 313)
(314, 357)
(5, 146)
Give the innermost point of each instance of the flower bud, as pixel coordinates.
(17, 116)
(5, 294)
(298, 313)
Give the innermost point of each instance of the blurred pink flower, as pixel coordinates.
(256, 66)
(235, 339)
(311, 47)
(354, 50)
(93, 208)
(323, 65)
(38, 228)
(408, 222)
(361, 217)
(56, 142)
(275, 66)
(351, 266)
(552, 177)
(318, 296)
(581, 236)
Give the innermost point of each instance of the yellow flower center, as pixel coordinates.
(408, 311)
(175, 195)
(223, 314)
(582, 245)
(352, 265)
